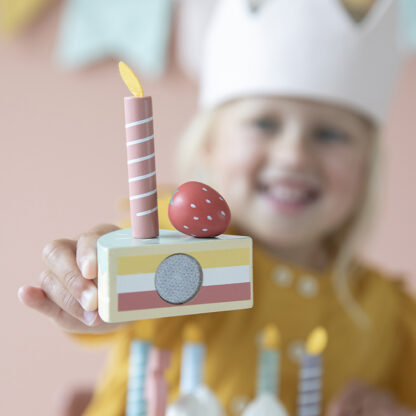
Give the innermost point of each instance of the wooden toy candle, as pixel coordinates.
(196, 399)
(310, 379)
(193, 358)
(269, 362)
(156, 386)
(138, 114)
(136, 404)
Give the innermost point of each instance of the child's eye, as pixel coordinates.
(329, 135)
(265, 125)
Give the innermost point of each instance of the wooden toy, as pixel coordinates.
(265, 404)
(266, 401)
(144, 272)
(138, 114)
(269, 362)
(156, 389)
(310, 378)
(196, 399)
(193, 358)
(136, 402)
(198, 210)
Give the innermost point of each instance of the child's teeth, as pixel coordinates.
(288, 194)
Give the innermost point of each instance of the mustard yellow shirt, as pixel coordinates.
(296, 301)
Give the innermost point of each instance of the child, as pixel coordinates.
(289, 135)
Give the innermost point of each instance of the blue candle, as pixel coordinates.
(139, 355)
(269, 362)
(193, 358)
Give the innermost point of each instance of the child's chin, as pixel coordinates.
(283, 236)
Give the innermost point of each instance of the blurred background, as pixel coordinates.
(62, 156)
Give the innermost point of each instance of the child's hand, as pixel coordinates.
(67, 292)
(359, 399)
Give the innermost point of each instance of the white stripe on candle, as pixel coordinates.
(139, 178)
(146, 139)
(310, 398)
(311, 372)
(141, 159)
(310, 385)
(137, 123)
(143, 195)
(149, 211)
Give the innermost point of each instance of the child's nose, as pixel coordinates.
(291, 148)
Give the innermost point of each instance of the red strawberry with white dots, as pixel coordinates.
(198, 210)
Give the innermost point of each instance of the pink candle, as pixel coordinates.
(156, 389)
(141, 166)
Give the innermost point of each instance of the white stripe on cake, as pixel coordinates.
(212, 276)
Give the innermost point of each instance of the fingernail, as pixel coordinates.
(89, 299)
(85, 265)
(90, 317)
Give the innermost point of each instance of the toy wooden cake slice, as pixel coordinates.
(144, 272)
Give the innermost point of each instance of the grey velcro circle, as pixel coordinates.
(178, 278)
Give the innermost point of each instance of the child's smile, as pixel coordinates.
(289, 194)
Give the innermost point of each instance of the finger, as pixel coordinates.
(36, 298)
(57, 293)
(346, 401)
(59, 257)
(87, 249)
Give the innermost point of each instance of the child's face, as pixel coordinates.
(292, 171)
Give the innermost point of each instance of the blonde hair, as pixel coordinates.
(343, 244)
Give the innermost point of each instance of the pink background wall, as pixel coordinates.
(61, 156)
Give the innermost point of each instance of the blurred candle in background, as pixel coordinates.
(156, 386)
(193, 358)
(310, 376)
(136, 402)
(269, 361)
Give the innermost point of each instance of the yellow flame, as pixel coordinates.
(145, 331)
(317, 341)
(192, 333)
(130, 79)
(270, 338)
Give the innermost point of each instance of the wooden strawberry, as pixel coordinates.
(198, 210)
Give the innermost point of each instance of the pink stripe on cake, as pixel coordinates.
(143, 211)
(207, 294)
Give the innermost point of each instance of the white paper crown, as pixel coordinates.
(303, 48)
